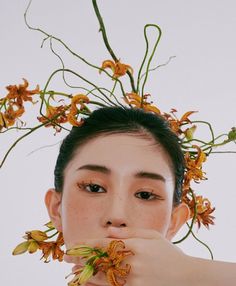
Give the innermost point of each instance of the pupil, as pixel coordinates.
(145, 195)
(95, 188)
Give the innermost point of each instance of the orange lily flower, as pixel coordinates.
(52, 248)
(136, 100)
(194, 167)
(11, 115)
(204, 211)
(118, 68)
(107, 260)
(80, 99)
(57, 116)
(175, 123)
(20, 93)
(111, 265)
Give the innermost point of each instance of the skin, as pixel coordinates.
(130, 196)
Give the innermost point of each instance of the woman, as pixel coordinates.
(119, 176)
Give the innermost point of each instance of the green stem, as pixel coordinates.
(145, 56)
(106, 42)
(48, 36)
(200, 241)
(18, 140)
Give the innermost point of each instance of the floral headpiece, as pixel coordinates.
(57, 110)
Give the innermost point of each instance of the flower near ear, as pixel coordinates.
(194, 167)
(52, 248)
(203, 211)
(117, 68)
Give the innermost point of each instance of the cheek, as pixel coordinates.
(158, 218)
(79, 219)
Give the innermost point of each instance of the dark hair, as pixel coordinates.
(119, 120)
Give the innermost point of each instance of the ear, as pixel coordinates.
(53, 204)
(180, 215)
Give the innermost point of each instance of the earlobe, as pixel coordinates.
(180, 215)
(53, 204)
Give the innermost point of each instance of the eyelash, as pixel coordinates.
(152, 196)
(84, 185)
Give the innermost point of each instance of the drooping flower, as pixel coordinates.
(119, 69)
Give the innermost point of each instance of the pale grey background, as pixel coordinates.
(201, 34)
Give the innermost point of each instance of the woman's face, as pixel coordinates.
(116, 180)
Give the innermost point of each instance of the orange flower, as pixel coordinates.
(175, 123)
(80, 99)
(36, 240)
(136, 100)
(52, 248)
(118, 68)
(194, 167)
(204, 211)
(19, 93)
(107, 260)
(55, 115)
(110, 265)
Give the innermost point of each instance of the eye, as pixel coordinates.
(147, 196)
(90, 187)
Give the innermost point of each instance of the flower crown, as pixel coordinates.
(58, 110)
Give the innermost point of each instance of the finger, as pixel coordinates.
(130, 232)
(71, 259)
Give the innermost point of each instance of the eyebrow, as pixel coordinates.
(140, 174)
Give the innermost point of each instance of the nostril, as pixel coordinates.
(116, 224)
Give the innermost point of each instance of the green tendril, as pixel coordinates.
(145, 56)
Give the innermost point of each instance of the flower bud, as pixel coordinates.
(189, 132)
(21, 248)
(37, 235)
(81, 250)
(86, 274)
(33, 246)
(232, 134)
(49, 225)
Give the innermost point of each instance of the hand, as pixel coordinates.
(156, 262)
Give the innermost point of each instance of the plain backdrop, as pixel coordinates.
(200, 34)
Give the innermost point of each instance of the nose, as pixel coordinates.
(116, 213)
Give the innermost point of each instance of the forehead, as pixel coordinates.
(123, 153)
